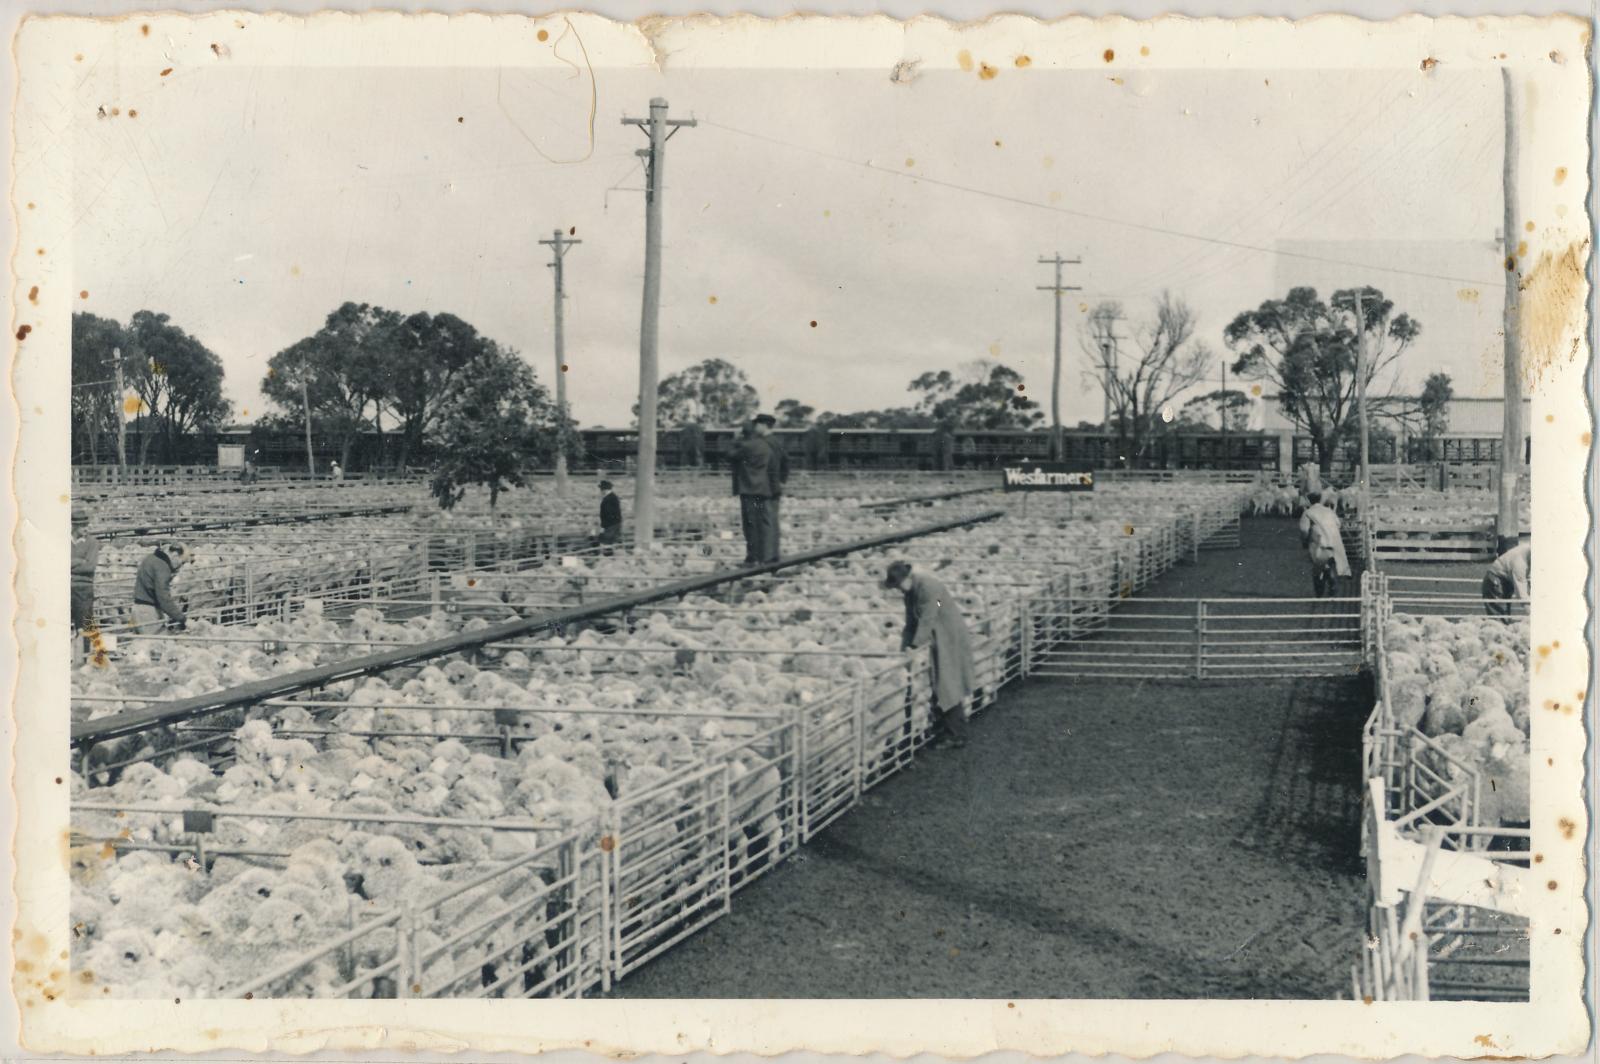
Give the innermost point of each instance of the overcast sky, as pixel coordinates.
(248, 203)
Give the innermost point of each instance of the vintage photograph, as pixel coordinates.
(999, 524)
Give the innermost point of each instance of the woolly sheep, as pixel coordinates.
(1408, 700)
(1481, 700)
(1403, 664)
(1493, 725)
(1444, 716)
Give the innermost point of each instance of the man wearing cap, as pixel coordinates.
(777, 476)
(153, 603)
(751, 461)
(85, 557)
(933, 620)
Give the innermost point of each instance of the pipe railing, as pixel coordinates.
(132, 722)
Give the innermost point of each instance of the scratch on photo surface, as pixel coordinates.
(155, 193)
(594, 99)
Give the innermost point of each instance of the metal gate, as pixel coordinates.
(1201, 639)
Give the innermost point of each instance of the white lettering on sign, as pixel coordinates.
(1047, 479)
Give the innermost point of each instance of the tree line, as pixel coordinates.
(477, 408)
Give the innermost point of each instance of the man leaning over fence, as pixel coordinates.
(153, 604)
(1508, 578)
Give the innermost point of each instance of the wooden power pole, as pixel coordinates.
(559, 244)
(1508, 522)
(1222, 414)
(1057, 451)
(660, 129)
(1361, 397)
(121, 415)
(305, 401)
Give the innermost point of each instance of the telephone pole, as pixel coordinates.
(1508, 522)
(305, 401)
(1222, 413)
(1057, 451)
(660, 129)
(122, 415)
(559, 244)
(1361, 395)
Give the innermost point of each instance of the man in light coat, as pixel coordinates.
(153, 604)
(1319, 533)
(933, 620)
(1508, 577)
(751, 461)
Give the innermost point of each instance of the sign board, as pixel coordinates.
(1046, 476)
(230, 456)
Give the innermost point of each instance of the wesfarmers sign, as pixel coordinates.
(1046, 476)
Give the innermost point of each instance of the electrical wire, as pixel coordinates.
(1092, 217)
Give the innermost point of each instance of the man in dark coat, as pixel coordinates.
(777, 476)
(153, 604)
(610, 515)
(85, 558)
(933, 620)
(751, 461)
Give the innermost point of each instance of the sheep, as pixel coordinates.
(1481, 700)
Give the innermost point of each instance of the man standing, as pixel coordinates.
(85, 557)
(610, 515)
(153, 603)
(1319, 533)
(751, 461)
(933, 619)
(336, 471)
(1508, 578)
(777, 476)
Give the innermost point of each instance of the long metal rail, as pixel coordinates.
(133, 721)
(224, 523)
(938, 497)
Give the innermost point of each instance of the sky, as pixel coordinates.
(905, 221)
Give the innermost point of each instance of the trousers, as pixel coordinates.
(82, 606)
(755, 518)
(950, 722)
(1496, 593)
(772, 554)
(147, 620)
(1324, 578)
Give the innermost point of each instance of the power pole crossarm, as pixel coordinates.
(1057, 450)
(559, 245)
(660, 128)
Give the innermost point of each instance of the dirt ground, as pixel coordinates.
(1094, 840)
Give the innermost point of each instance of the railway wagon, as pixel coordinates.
(929, 449)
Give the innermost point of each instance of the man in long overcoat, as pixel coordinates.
(933, 619)
(751, 461)
(777, 476)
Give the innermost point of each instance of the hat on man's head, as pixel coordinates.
(80, 517)
(898, 571)
(765, 419)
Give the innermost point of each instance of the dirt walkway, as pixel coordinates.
(1095, 840)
